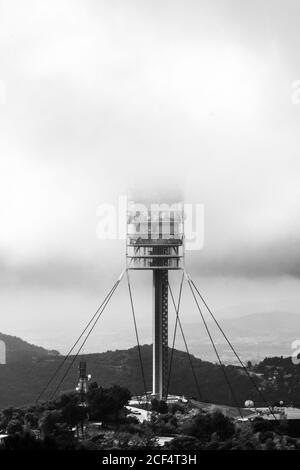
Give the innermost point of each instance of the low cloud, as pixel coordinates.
(274, 259)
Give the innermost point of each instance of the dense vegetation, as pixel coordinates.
(65, 424)
(23, 379)
(279, 379)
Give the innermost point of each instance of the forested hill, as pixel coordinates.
(21, 381)
(18, 350)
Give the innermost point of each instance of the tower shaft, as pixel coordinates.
(160, 333)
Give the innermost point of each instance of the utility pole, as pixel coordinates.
(82, 389)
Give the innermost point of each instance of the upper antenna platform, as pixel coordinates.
(155, 235)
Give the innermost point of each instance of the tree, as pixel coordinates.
(49, 422)
(31, 419)
(177, 408)
(6, 416)
(106, 404)
(14, 426)
(222, 425)
(160, 406)
(203, 426)
(72, 412)
(261, 425)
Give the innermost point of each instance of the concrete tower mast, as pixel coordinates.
(155, 241)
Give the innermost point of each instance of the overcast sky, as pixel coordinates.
(106, 97)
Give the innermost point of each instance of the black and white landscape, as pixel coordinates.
(108, 108)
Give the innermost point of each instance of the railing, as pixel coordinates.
(155, 239)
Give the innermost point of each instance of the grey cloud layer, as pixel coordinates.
(185, 95)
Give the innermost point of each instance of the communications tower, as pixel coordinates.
(155, 241)
(82, 386)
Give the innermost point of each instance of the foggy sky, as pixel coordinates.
(106, 97)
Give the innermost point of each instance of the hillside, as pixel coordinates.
(21, 382)
(18, 350)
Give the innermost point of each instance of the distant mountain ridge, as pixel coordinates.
(273, 323)
(255, 336)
